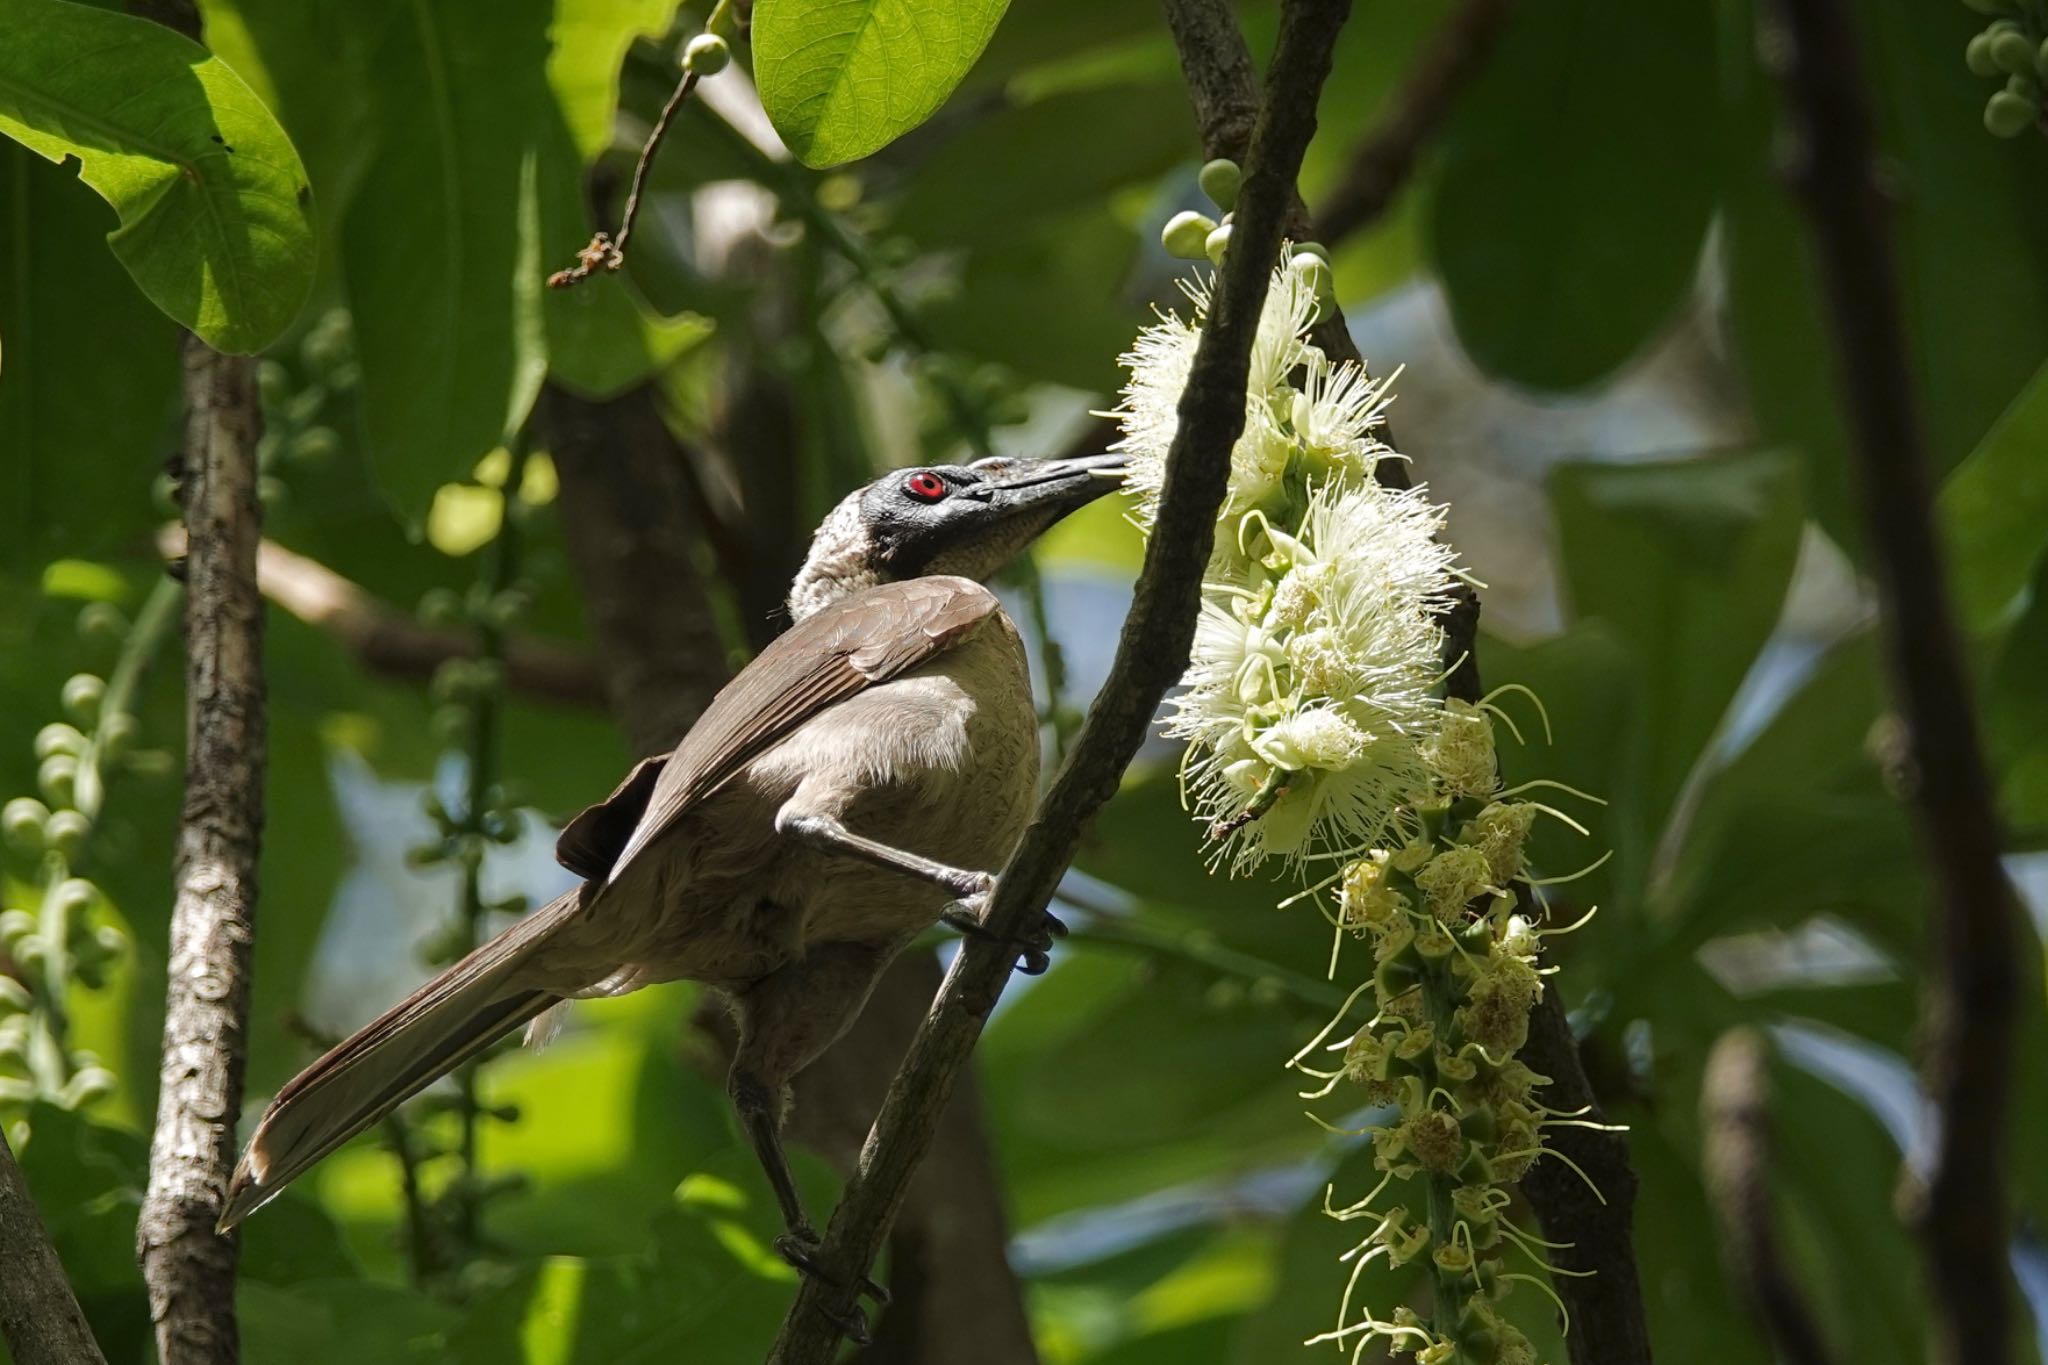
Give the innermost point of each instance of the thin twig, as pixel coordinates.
(1971, 996)
(1735, 1152)
(1150, 655)
(1609, 1327)
(39, 1315)
(190, 1268)
(603, 253)
(395, 643)
(1382, 163)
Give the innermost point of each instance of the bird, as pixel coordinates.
(854, 784)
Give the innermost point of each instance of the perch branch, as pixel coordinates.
(190, 1268)
(1971, 996)
(39, 1315)
(1735, 1127)
(1606, 1306)
(385, 640)
(1153, 649)
(602, 253)
(1381, 164)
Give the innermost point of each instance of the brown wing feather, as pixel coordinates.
(590, 843)
(869, 638)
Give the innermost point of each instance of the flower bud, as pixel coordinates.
(102, 623)
(706, 55)
(59, 738)
(82, 695)
(24, 822)
(57, 779)
(67, 831)
(1186, 235)
(1218, 243)
(2012, 52)
(1221, 180)
(2008, 115)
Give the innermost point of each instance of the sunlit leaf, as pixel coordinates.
(214, 206)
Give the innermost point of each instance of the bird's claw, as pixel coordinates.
(800, 1248)
(1034, 948)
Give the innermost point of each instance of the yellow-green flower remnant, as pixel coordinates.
(1318, 732)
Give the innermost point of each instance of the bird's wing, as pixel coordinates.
(590, 843)
(866, 639)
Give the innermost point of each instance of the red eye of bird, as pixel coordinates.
(925, 486)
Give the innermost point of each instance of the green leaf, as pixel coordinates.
(214, 205)
(844, 78)
(1994, 508)
(89, 381)
(1689, 561)
(1565, 241)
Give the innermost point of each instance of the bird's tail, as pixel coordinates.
(394, 1057)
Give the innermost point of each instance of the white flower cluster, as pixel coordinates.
(1312, 694)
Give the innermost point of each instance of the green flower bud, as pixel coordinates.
(1977, 56)
(74, 896)
(67, 831)
(118, 735)
(706, 55)
(82, 695)
(503, 611)
(24, 822)
(59, 738)
(102, 623)
(1990, 6)
(1186, 235)
(314, 446)
(450, 725)
(441, 607)
(89, 1086)
(273, 382)
(2009, 115)
(1218, 243)
(16, 928)
(2011, 51)
(1220, 180)
(14, 996)
(57, 779)
(2025, 86)
(110, 940)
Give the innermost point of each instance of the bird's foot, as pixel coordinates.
(1034, 947)
(799, 1246)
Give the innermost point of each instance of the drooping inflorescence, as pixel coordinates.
(1318, 732)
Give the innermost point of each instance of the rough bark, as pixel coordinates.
(39, 1315)
(1150, 655)
(190, 1269)
(1972, 994)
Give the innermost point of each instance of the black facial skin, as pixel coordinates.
(987, 510)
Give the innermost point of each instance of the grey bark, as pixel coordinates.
(190, 1269)
(39, 1315)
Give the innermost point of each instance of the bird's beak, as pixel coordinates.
(1056, 486)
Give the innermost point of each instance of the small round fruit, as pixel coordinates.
(67, 831)
(1315, 271)
(1977, 56)
(82, 695)
(2009, 115)
(1221, 180)
(706, 55)
(102, 623)
(2012, 52)
(1186, 235)
(57, 779)
(1218, 243)
(59, 738)
(24, 822)
(118, 734)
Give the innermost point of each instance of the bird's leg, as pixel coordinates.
(785, 1020)
(1034, 949)
(826, 832)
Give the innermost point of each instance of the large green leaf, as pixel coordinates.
(843, 78)
(1688, 561)
(1994, 508)
(214, 205)
(1565, 240)
(89, 382)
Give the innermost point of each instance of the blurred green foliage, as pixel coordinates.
(1611, 175)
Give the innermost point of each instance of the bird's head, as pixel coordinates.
(966, 519)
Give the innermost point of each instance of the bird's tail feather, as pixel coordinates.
(394, 1057)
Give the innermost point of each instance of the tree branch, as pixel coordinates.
(1607, 1305)
(1970, 999)
(395, 643)
(39, 1315)
(1150, 655)
(1735, 1125)
(190, 1269)
(1381, 164)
